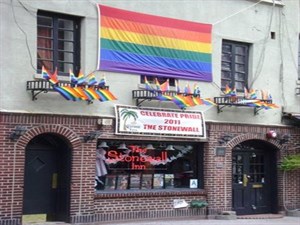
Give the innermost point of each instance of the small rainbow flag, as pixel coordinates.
(73, 79)
(66, 93)
(107, 95)
(180, 101)
(53, 78)
(147, 84)
(102, 82)
(164, 97)
(45, 73)
(82, 94)
(252, 94)
(80, 78)
(165, 86)
(91, 79)
(145, 44)
(93, 95)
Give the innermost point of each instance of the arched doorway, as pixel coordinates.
(47, 177)
(254, 178)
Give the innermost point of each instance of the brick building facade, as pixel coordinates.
(49, 146)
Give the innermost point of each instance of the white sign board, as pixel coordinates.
(153, 122)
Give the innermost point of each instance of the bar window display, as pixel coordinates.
(138, 166)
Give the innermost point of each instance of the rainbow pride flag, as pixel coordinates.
(144, 44)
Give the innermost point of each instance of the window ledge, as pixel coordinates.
(147, 193)
(277, 2)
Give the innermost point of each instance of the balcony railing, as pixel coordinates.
(238, 101)
(145, 95)
(43, 86)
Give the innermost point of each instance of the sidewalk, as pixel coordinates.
(279, 221)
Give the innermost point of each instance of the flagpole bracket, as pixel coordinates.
(141, 96)
(38, 86)
(239, 101)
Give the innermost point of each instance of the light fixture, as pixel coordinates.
(225, 138)
(17, 132)
(103, 145)
(150, 147)
(91, 136)
(271, 134)
(122, 146)
(284, 138)
(170, 148)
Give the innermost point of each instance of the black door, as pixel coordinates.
(251, 182)
(47, 177)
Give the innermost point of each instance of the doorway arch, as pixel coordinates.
(47, 177)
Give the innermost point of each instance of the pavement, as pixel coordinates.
(278, 221)
(287, 220)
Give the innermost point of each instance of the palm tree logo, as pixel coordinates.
(127, 114)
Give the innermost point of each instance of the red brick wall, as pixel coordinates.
(217, 170)
(71, 128)
(218, 180)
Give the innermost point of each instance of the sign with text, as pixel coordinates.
(153, 122)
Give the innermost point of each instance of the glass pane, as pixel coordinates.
(226, 48)
(239, 85)
(44, 21)
(65, 56)
(45, 54)
(240, 50)
(240, 67)
(45, 32)
(45, 43)
(226, 74)
(65, 67)
(47, 64)
(226, 57)
(239, 59)
(226, 66)
(66, 35)
(66, 46)
(224, 83)
(65, 24)
(239, 77)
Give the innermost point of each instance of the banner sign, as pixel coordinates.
(132, 42)
(153, 122)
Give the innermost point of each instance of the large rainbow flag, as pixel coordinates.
(144, 44)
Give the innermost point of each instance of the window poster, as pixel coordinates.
(146, 181)
(169, 180)
(122, 182)
(110, 182)
(158, 180)
(135, 181)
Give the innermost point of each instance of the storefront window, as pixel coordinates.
(135, 166)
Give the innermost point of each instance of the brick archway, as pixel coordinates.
(71, 138)
(245, 137)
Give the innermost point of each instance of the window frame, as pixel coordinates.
(160, 79)
(196, 157)
(55, 17)
(232, 79)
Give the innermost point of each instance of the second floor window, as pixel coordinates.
(58, 42)
(161, 80)
(234, 65)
